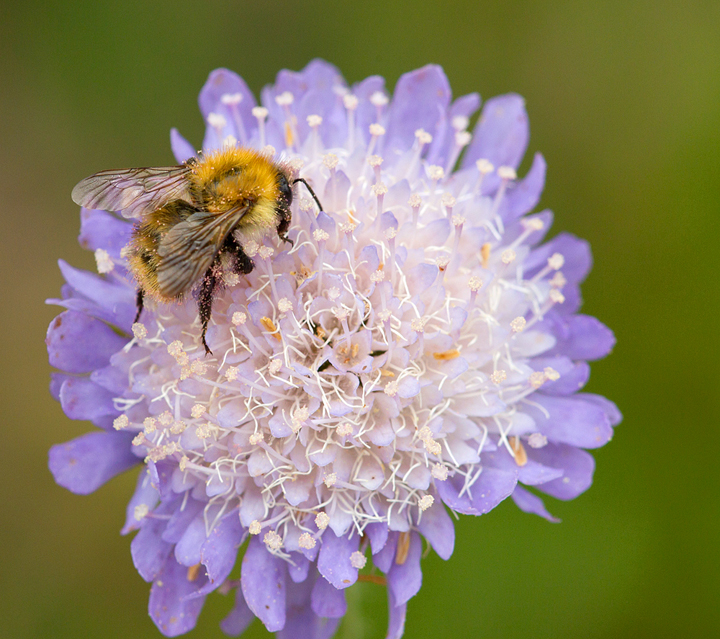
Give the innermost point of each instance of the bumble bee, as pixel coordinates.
(190, 217)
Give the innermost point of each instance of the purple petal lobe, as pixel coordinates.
(263, 585)
(604, 404)
(84, 464)
(240, 617)
(148, 549)
(526, 194)
(437, 527)
(584, 337)
(334, 559)
(529, 503)
(396, 621)
(187, 549)
(328, 601)
(378, 534)
(170, 608)
(404, 580)
(81, 399)
(181, 148)
(145, 495)
(571, 420)
(501, 134)
(219, 551)
(100, 229)
(573, 375)
(420, 101)
(77, 343)
(577, 466)
(302, 622)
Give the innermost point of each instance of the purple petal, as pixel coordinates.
(525, 194)
(443, 143)
(148, 549)
(404, 580)
(187, 549)
(328, 601)
(533, 473)
(77, 343)
(302, 622)
(501, 134)
(263, 584)
(366, 113)
(170, 608)
(385, 558)
(100, 229)
(604, 404)
(583, 337)
(84, 464)
(529, 503)
(240, 120)
(107, 294)
(577, 254)
(145, 495)
(420, 101)
(377, 533)
(571, 421)
(334, 559)
(396, 621)
(82, 399)
(181, 148)
(437, 527)
(240, 617)
(161, 475)
(220, 550)
(577, 465)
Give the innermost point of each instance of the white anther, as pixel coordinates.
(556, 296)
(255, 527)
(103, 261)
(274, 366)
(485, 166)
(462, 138)
(330, 480)
(418, 324)
(440, 472)
(266, 252)
(391, 233)
(556, 261)
(330, 160)
(320, 236)
(166, 418)
(178, 427)
(339, 312)
(376, 130)
(306, 541)
(256, 438)
(475, 284)
(216, 120)
(415, 201)
(322, 520)
(203, 431)
(272, 540)
(149, 425)
(448, 200)
(139, 330)
(285, 305)
(508, 256)
(375, 160)
(198, 410)
(435, 172)
(121, 422)
(350, 101)
(506, 173)
(458, 220)
(378, 99)
(284, 99)
(239, 318)
(377, 276)
(314, 121)
(231, 98)
(425, 502)
(231, 373)
(423, 136)
(536, 379)
(379, 189)
(460, 122)
(358, 560)
(551, 374)
(259, 112)
(558, 280)
(498, 377)
(537, 440)
(518, 324)
(344, 429)
(391, 388)
(533, 224)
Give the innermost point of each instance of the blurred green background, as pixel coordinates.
(623, 98)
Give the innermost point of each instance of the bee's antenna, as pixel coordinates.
(320, 206)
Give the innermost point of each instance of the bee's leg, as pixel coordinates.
(139, 303)
(284, 225)
(242, 264)
(205, 300)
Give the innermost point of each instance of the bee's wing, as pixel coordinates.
(133, 191)
(188, 248)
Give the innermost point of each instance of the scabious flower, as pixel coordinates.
(417, 349)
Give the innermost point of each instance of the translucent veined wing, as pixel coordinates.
(133, 191)
(188, 249)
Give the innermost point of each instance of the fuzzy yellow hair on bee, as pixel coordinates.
(193, 218)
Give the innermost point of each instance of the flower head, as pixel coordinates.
(417, 348)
